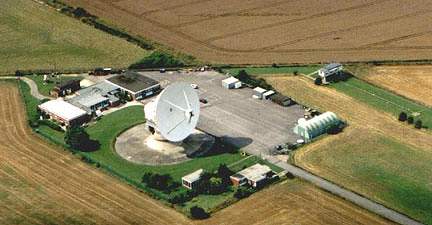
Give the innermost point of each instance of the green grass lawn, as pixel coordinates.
(383, 100)
(381, 168)
(274, 70)
(30, 102)
(35, 36)
(45, 88)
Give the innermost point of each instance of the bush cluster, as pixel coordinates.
(243, 192)
(244, 77)
(161, 182)
(198, 213)
(50, 124)
(156, 60)
(403, 116)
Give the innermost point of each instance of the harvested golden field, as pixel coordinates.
(263, 32)
(294, 202)
(413, 82)
(42, 184)
(376, 155)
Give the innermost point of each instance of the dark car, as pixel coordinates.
(203, 100)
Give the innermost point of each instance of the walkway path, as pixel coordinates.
(344, 193)
(33, 87)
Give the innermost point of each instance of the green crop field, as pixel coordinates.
(34, 36)
(384, 100)
(381, 168)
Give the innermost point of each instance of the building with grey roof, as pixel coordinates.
(96, 97)
(136, 85)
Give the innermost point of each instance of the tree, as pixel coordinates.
(410, 120)
(243, 76)
(216, 186)
(157, 59)
(318, 81)
(18, 73)
(204, 183)
(198, 213)
(403, 116)
(77, 138)
(224, 173)
(274, 65)
(243, 192)
(418, 124)
(162, 182)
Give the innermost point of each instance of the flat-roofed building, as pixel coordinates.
(64, 113)
(136, 85)
(65, 88)
(258, 92)
(256, 176)
(231, 82)
(96, 97)
(191, 180)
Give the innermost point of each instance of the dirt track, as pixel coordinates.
(40, 184)
(255, 31)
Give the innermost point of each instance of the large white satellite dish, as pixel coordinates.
(174, 113)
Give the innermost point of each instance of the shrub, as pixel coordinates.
(243, 192)
(335, 129)
(403, 116)
(162, 182)
(180, 197)
(198, 213)
(418, 124)
(274, 65)
(410, 120)
(295, 72)
(157, 59)
(318, 81)
(77, 138)
(50, 124)
(224, 173)
(19, 73)
(216, 186)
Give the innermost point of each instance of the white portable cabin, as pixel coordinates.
(190, 181)
(316, 126)
(231, 82)
(258, 92)
(267, 94)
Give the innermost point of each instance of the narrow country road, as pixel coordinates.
(33, 87)
(345, 194)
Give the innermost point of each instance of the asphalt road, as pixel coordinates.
(345, 194)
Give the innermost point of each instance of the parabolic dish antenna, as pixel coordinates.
(174, 113)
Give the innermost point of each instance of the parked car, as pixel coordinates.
(194, 86)
(162, 70)
(203, 100)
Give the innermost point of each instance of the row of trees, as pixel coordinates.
(244, 77)
(403, 117)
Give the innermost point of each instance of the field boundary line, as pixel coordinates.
(241, 160)
(322, 14)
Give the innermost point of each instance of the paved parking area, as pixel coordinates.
(253, 125)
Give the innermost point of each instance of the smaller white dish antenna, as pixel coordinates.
(174, 113)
